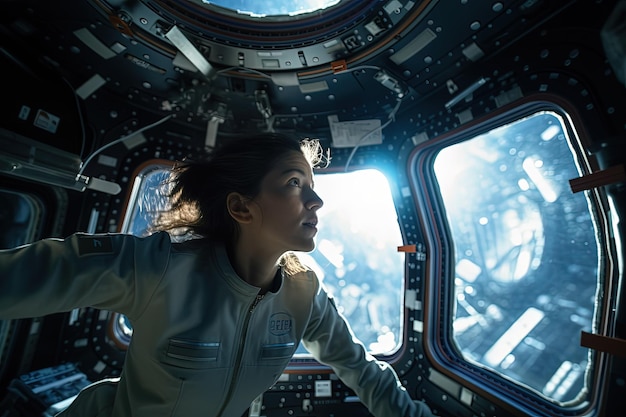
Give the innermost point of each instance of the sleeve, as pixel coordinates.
(331, 341)
(109, 271)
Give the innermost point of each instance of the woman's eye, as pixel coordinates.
(294, 182)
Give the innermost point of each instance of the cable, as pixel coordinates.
(391, 118)
(108, 145)
(80, 116)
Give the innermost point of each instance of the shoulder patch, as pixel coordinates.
(88, 245)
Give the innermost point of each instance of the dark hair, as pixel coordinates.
(197, 189)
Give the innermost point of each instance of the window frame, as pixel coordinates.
(439, 287)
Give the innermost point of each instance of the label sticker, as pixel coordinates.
(47, 121)
(358, 132)
(24, 112)
(323, 388)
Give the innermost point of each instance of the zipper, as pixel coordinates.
(244, 334)
(256, 302)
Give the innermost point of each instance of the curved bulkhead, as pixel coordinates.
(472, 231)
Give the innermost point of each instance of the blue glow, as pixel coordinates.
(274, 8)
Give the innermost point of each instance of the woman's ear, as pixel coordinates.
(238, 209)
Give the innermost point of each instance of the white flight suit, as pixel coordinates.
(204, 342)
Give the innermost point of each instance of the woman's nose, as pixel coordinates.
(314, 201)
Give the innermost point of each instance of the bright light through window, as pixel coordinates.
(256, 8)
(357, 257)
(526, 255)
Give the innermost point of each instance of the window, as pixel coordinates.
(145, 199)
(356, 255)
(20, 215)
(20, 220)
(524, 255)
(274, 8)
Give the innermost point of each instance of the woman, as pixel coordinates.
(217, 302)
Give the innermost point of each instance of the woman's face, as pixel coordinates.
(286, 206)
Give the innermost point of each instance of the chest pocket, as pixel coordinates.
(277, 351)
(193, 354)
